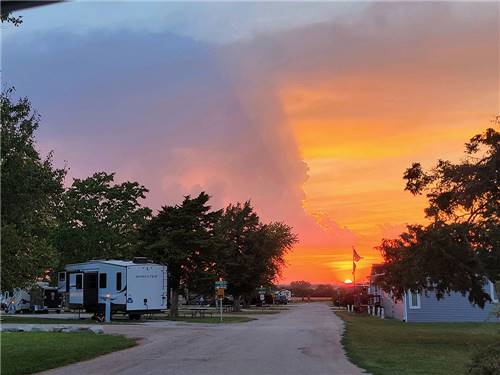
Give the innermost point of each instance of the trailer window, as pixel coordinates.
(118, 281)
(62, 276)
(102, 281)
(79, 281)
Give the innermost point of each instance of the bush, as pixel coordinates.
(486, 361)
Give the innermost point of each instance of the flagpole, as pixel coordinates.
(354, 279)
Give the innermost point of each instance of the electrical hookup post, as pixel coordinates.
(220, 287)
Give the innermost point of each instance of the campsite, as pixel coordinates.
(256, 187)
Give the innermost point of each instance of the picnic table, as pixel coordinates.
(199, 311)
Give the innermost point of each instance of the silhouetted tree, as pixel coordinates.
(250, 253)
(461, 247)
(301, 288)
(181, 236)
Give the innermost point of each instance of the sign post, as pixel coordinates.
(220, 286)
(262, 295)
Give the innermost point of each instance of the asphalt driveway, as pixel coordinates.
(302, 340)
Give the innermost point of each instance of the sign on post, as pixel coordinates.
(221, 284)
(220, 293)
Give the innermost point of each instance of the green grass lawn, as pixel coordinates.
(29, 352)
(391, 347)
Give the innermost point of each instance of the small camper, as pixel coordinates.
(134, 287)
(282, 297)
(39, 298)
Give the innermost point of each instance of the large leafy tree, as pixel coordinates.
(181, 236)
(100, 219)
(252, 253)
(31, 189)
(461, 246)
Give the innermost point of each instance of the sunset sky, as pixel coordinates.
(311, 110)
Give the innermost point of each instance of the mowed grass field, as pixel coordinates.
(391, 347)
(30, 352)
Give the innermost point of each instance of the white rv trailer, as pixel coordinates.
(134, 287)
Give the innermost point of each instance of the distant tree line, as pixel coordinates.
(46, 225)
(306, 289)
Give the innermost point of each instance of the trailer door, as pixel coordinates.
(90, 291)
(76, 288)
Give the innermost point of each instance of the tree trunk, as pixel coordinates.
(174, 303)
(236, 303)
(246, 302)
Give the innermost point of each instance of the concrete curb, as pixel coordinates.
(45, 328)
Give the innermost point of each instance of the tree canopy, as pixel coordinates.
(460, 248)
(252, 253)
(45, 225)
(100, 219)
(181, 237)
(31, 191)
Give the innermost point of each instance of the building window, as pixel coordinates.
(103, 282)
(118, 281)
(62, 276)
(79, 281)
(414, 300)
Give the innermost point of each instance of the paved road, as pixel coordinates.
(302, 340)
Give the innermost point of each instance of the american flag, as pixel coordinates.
(355, 255)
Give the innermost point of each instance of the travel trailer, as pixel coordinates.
(133, 287)
(40, 298)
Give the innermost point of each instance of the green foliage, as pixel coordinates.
(7, 17)
(250, 253)
(461, 246)
(100, 219)
(31, 191)
(434, 258)
(181, 236)
(486, 361)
